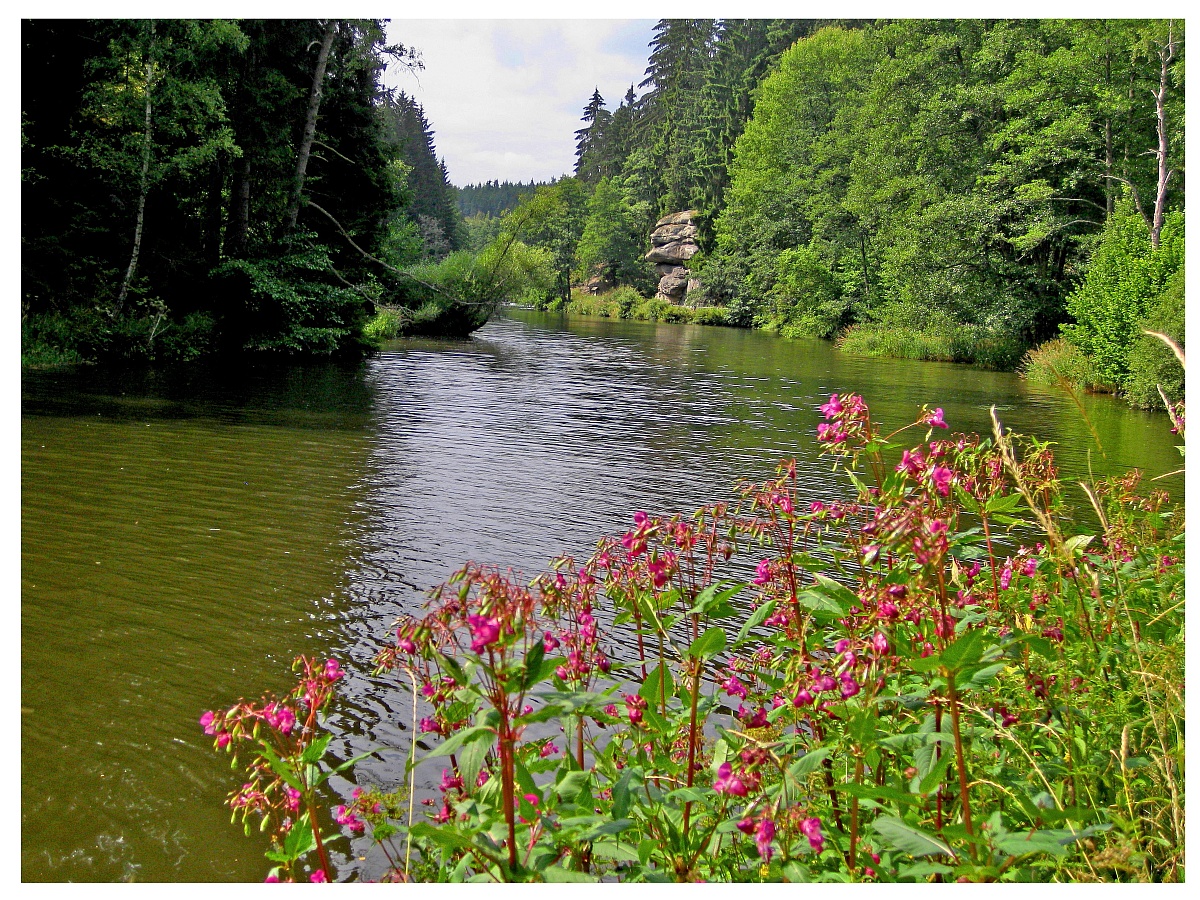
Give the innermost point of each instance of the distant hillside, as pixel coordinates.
(492, 198)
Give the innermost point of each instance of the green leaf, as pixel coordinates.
(935, 775)
(708, 644)
(571, 783)
(759, 616)
(446, 836)
(713, 596)
(901, 836)
(923, 869)
(471, 758)
(533, 665)
(808, 763)
(559, 875)
(456, 740)
(982, 677)
(651, 689)
(280, 768)
(616, 826)
(299, 841)
(313, 752)
(827, 596)
(963, 652)
(879, 791)
(615, 850)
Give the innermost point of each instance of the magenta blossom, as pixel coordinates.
(450, 782)
(206, 722)
(548, 749)
(880, 642)
(734, 687)
(333, 670)
(941, 477)
(833, 408)
(812, 830)
(728, 783)
(763, 837)
(349, 819)
(803, 698)
(934, 419)
(484, 632)
(762, 574)
(318, 877)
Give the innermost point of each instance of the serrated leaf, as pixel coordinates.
(901, 836)
(712, 597)
(533, 665)
(313, 752)
(759, 616)
(808, 763)
(456, 740)
(708, 644)
(965, 651)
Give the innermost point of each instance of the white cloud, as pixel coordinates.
(504, 97)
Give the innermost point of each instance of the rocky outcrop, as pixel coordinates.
(673, 242)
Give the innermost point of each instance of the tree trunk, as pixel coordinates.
(310, 123)
(239, 225)
(143, 183)
(1166, 53)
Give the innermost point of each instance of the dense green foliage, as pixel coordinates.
(924, 188)
(163, 162)
(904, 691)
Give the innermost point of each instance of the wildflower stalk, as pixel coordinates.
(697, 668)
(960, 760)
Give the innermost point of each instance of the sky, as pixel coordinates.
(505, 97)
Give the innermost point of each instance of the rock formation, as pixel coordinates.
(674, 243)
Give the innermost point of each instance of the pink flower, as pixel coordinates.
(888, 609)
(333, 670)
(941, 477)
(349, 819)
(293, 798)
(547, 750)
(223, 739)
(880, 642)
(206, 722)
(746, 826)
(1006, 575)
(833, 408)
(762, 574)
(1030, 567)
(728, 783)
(406, 645)
(849, 686)
(318, 877)
(484, 632)
(934, 419)
(803, 698)
(816, 506)
(812, 830)
(450, 782)
(271, 879)
(763, 837)
(610, 710)
(428, 724)
(549, 642)
(484, 775)
(912, 463)
(640, 519)
(734, 687)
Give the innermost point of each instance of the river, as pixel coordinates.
(185, 535)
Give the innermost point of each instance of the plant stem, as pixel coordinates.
(960, 760)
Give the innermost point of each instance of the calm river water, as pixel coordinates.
(183, 537)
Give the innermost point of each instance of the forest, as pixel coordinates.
(1002, 193)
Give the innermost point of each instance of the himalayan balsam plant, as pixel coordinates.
(926, 679)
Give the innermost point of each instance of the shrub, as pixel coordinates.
(1057, 360)
(1151, 362)
(1124, 277)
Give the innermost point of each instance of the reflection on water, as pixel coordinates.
(181, 541)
